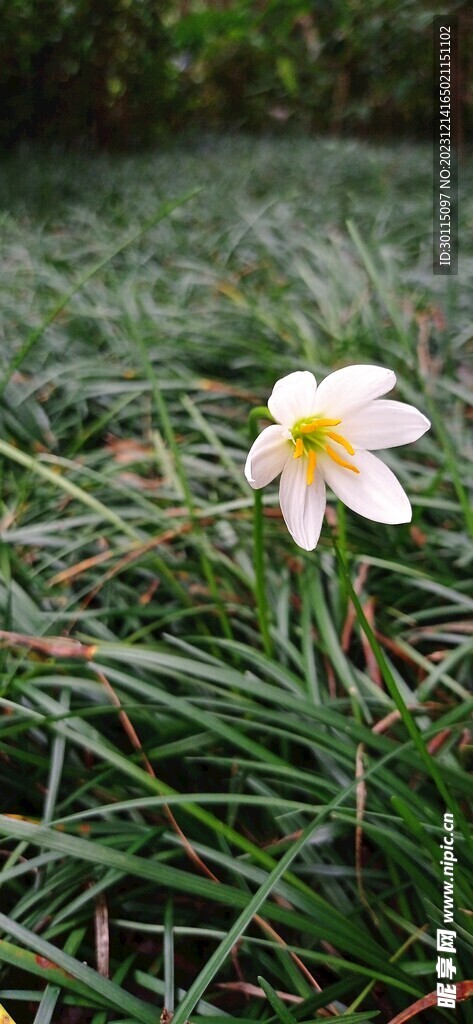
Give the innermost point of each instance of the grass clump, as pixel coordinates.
(205, 827)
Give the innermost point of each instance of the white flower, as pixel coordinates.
(325, 435)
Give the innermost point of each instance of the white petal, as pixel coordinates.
(352, 386)
(302, 505)
(383, 424)
(374, 492)
(293, 397)
(267, 456)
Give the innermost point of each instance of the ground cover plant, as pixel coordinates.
(229, 815)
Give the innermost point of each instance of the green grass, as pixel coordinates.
(255, 836)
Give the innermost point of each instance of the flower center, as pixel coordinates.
(310, 438)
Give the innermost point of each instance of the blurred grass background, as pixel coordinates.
(187, 822)
(127, 529)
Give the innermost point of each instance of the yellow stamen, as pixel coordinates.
(311, 467)
(341, 440)
(340, 462)
(299, 449)
(310, 428)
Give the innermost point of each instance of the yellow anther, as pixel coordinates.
(341, 440)
(340, 462)
(299, 449)
(310, 428)
(312, 458)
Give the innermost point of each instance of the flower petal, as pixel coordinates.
(384, 424)
(374, 492)
(267, 456)
(352, 386)
(293, 397)
(302, 504)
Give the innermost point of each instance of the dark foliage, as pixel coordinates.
(121, 73)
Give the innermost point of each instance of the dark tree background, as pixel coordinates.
(123, 73)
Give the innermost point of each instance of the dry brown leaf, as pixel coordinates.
(126, 450)
(464, 991)
(102, 936)
(49, 647)
(253, 990)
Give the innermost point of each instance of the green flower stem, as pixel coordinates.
(260, 412)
